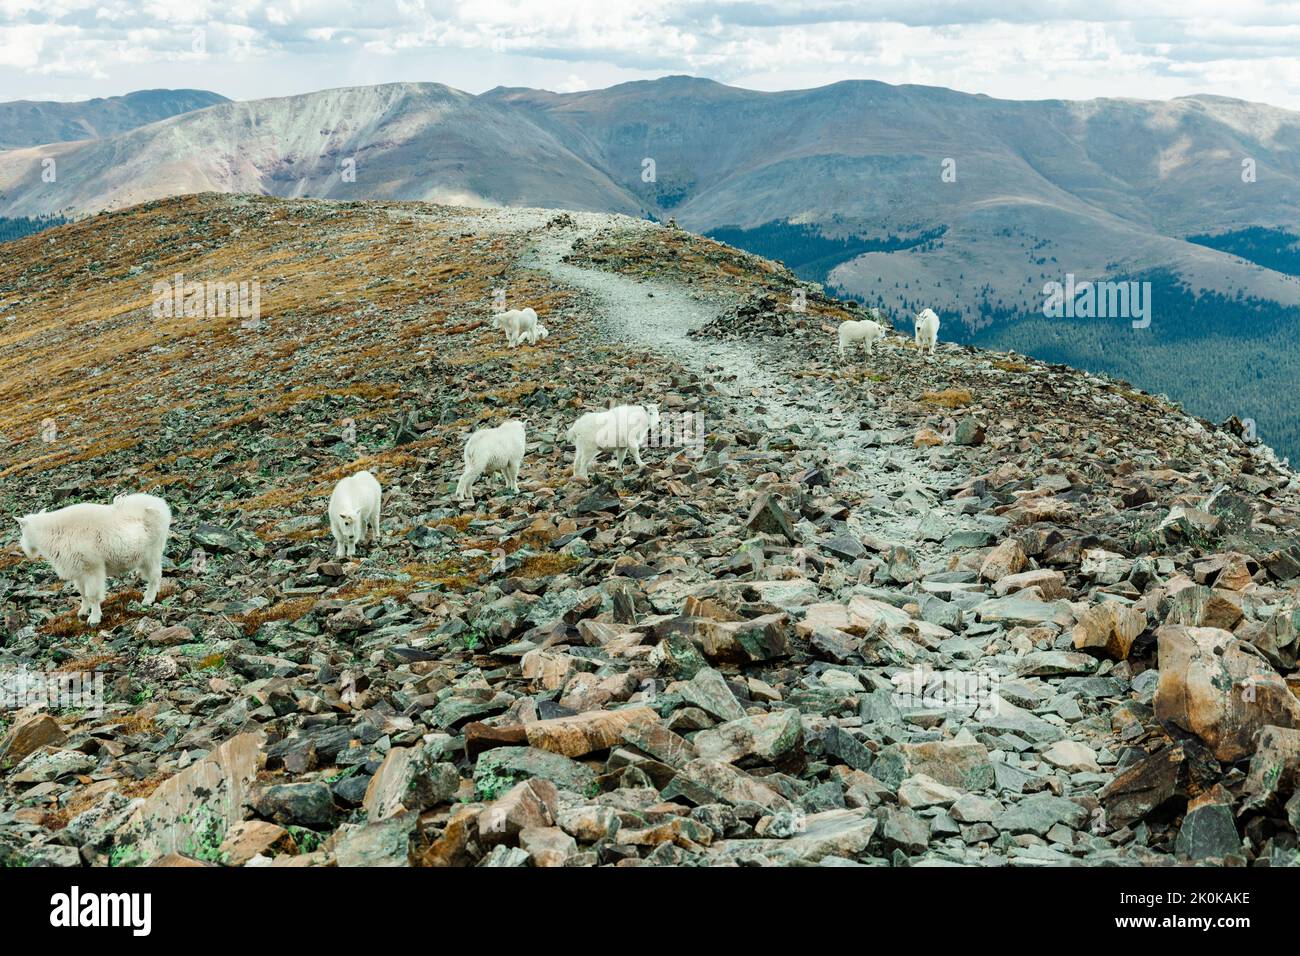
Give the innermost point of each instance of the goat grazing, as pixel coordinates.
(492, 450)
(87, 543)
(927, 330)
(865, 332)
(354, 512)
(624, 428)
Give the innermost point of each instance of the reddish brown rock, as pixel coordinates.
(582, 734)
(250, 838)
(1050, 584)
(547, 846)
(530, 804)
(1109, 629)
(1221, 689)
(27, 735)
(209, 795)
(740, 642)
(1006, 559)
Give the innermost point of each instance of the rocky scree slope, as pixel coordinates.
(966, 609)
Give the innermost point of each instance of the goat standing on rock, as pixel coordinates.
(492, 450)
(623, 428)
(86, 543)
(927, 330)
(863, 332)
(354, 511)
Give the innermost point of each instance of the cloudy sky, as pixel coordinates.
(75, 49)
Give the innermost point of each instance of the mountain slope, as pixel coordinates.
(961, 608)
(1096, 188)
(406, 141)
(31, 123)
(845, 182)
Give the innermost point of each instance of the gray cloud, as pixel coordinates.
(1057, 48)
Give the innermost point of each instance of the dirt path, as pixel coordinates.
(890, 485)
(757, 382)
(658, 315)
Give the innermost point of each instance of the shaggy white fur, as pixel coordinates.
(354, 512)
(517, 324)
(927, 330)
(87, 543)
(624, 428)
(532, 336)
(492, 450)
(865, 332)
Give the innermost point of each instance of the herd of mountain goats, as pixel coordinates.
(86, 543)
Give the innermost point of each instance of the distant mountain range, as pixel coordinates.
(902, 196)
(31, 123)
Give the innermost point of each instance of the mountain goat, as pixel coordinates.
(489, 450)
(864, 332)
(517, 324)
(927, 330)
(532, 336)
(354, 512)
(624, 428)
(87, 543)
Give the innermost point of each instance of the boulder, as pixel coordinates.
(1220, 689)
(1109, 629)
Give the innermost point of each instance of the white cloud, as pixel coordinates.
(573, 83)
(1011, 48)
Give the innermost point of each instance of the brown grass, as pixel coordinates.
(114, 613)
(948, 398)
(1012, 365)
(290, 610)
(141, 722)
(455, 573)
(87, 662)
(86, 339)
(143, 788)
(211, 662)
(544, 565)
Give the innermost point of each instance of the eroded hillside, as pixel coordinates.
(723, 659)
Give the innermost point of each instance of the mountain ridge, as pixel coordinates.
(894, 609)
(1103, 189)
(36, 122)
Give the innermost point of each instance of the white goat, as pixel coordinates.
(354, 512)
(517, 324)
(87, 543)
(927, 330)
(532, 336)
(864, 332)
(492, 450)
(624, 428)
